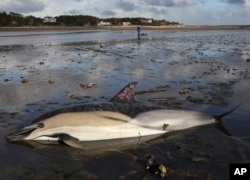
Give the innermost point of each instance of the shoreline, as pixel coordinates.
(131, 27)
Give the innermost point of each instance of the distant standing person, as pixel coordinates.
(139, 32)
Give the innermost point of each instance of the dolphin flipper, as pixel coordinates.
(126, 94)
(70, 141)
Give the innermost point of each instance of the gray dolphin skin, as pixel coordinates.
(121, 122)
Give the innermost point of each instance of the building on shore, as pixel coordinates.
(126, 23)
(149, 21)
(102, 23)
(49, 20)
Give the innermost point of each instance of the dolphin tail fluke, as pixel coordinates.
(126, 94)
(220, 124)
(219, 117)
(223, 129)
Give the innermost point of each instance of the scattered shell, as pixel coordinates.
(85, 86)
(163, 169)
(155, 167)
(150, 162)
(49, 81)
(183, 91)
(41, 63)
(23, 80)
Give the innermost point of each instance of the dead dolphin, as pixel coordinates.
(86, 128)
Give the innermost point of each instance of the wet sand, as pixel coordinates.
(199, 70)
(129, 27)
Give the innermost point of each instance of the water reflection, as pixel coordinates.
(171, 60)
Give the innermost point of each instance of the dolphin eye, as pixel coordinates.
(40, 125)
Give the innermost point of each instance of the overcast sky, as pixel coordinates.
(189, 12)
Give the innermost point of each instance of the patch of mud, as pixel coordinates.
(206, 71)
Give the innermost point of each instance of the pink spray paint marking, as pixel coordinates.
(126, 93)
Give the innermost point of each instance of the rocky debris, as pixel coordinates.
(155, 167)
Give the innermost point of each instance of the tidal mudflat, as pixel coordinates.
(206, 71)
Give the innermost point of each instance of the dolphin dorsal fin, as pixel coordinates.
(126, 94)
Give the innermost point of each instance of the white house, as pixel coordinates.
(147, 20)
(102, 23)
(126, 23)
(49, 20)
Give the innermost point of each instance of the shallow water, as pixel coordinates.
(210, 66)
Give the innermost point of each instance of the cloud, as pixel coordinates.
(245, 3)
(183, 11)
(126, 6)
(74, 12)
(248, 4)
(108, 13)
(170, 3)
(236, 1)
(22, 6)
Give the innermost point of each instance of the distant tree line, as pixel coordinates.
(76, 20)
(139, 21)
(16, 19)
(13, 19)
